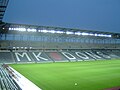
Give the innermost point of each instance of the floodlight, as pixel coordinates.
(17, 47)
(25, 47)
(91, 34)
(95, 34)
(52, 31)
(31, 30)
(18, 29)
(30, 47)
(109, 35)
(10, 28)
(69, 32)
(21, 29)
(14, 47)
(85, 33)
(77, 33)
(44, 31)
(21, 47)
(59, 32)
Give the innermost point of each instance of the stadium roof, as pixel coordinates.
(3, 6)
(6, 26)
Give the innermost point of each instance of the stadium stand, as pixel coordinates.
(56, 56)
(6, 57)
(21, 56)
(38, 56)
(25, 43)
(6, 81)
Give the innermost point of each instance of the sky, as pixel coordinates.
(97, 15)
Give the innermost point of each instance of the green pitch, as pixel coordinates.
(92, 75)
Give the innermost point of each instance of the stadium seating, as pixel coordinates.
(6, 82)
(6, 57)
(55, 45)
(22, 56)
(39, 56)
(56, 56)
(71, 55)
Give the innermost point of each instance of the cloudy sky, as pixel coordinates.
(98, 15)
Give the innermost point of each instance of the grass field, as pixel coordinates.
(92, 75)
